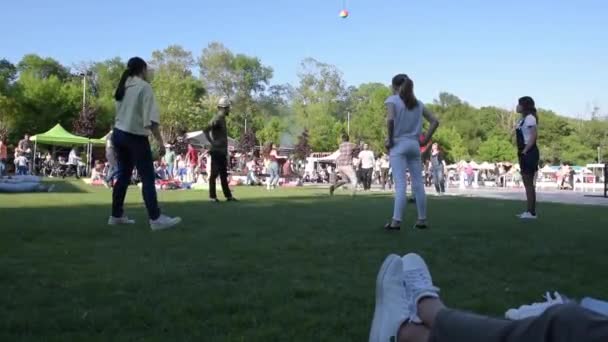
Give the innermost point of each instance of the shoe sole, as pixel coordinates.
(178, 220)
(377, 329)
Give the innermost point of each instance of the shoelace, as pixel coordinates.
(419, 280)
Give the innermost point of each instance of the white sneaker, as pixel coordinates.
(534, 309)
(391, 302)
(527, 216)
(418, 283)
(116, 221)
(164, 222)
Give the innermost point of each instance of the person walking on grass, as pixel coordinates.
(271, 157)
(366, 157)
(137, 117)
(404, 125)
(217, 134)
(344, 166)
(438, 169)
(527, 151)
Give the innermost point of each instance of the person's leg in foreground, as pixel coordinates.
(399, 164)
(133, 151)
(124, 170)
(430, 320)
(415, 165)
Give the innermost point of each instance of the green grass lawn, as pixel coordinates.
(292, 265)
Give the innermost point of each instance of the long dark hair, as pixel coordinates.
(528, 107)
(405, 87)
(135, 66)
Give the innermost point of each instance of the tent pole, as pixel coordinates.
(33, 158)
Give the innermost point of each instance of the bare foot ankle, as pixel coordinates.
(410, 332)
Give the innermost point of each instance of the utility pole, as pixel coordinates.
(348, 122)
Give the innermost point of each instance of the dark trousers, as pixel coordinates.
(439, 180)
(561, 323)
(219, 167)
(111, 175)
(386, 179)
(366, 178)
(133, 151)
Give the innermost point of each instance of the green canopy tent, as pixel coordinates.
(58, 136)
(101, 141)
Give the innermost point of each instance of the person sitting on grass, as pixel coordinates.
(97, 175)
(409, 309)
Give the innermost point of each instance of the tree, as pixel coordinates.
(248, 141)
(8, 74)
(106, 75)
(271, 133)
(42, 67)
(84, 125)
(451, 143)
(242, 78)
(302, 149)
(496, 149)
(448, 100)
(177, 91)
(368, 115)
(320, 104)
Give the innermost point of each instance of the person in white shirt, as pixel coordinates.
(405, 114)
(251, 165)
(21, 164)
(137, 117)
(527, 150)
(74, 161)
(366, 156)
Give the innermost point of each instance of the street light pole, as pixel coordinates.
(84, 90)
(348, 123)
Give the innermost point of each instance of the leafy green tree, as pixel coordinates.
(450, 141)
(271, 133)
(496, 149)
(302, 148)
(42, 68)
(368, 121)
(177, 91)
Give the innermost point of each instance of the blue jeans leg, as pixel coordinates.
(134, 151)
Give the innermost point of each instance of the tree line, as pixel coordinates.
(38, 92)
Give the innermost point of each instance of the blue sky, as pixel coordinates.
(486, 52)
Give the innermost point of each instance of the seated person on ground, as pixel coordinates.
(409, 309)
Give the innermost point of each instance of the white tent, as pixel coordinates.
(487, 166)
(330, 158)
(198, 138)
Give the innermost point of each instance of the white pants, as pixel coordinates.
(348, 176)
(404, 155)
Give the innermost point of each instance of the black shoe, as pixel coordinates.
(231, 199)
(390, 227)
(421, 225)
(331, 190)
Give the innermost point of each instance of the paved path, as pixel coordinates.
(567, 197)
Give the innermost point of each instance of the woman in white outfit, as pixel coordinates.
(404, 123)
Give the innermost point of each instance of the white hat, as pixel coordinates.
(224, 102)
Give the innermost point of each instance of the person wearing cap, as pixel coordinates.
(217, 134)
